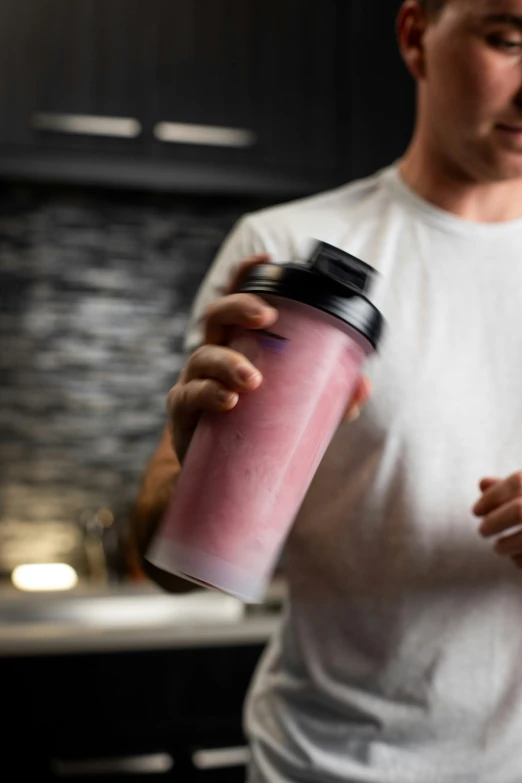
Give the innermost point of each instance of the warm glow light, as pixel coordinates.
(44, 576)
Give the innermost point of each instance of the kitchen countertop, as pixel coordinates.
(130, 618)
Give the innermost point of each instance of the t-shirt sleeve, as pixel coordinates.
(243, 241)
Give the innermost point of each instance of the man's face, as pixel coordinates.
(471, 96)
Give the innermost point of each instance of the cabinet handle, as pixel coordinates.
(87, 125)
(210, 135)
(218, 758)
(152, 764)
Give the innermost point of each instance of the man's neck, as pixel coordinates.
(482, 202)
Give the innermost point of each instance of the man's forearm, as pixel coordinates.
(156, 489)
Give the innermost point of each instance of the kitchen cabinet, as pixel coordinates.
(129, 683)
(265, 69)
(149, 715)
(269, 98)
(71, 75)
(15, 95)
(203, 103)
(298, 83)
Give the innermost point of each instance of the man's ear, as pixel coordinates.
(412, 23)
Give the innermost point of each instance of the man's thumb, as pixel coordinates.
(487, 483)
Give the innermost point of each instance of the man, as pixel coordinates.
(400, 656)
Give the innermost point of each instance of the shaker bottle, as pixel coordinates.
(247, 470)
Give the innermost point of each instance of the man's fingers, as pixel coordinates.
(507, 516)
(363, 391)
(487, 483)
(509, 546)
(215, 375)
(186, 402)
(360, 397)
(499, 494)
(222, 364)
(245, 310)
(245, 267)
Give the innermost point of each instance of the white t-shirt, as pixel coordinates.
(400, 656)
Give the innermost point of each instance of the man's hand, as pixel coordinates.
(501, 509)
(215, 376)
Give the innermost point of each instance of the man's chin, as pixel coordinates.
(508, 172)
(503, 166)
(506, 163)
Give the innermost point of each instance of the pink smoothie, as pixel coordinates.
(247, 471)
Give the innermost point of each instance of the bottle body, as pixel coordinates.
(247, 471)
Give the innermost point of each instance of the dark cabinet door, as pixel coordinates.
(203, 103)
(296, 61)
(17, 68)
(78, 69)
(149, 715)
(124, 50)
(61, 37)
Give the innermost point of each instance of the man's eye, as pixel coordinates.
(506, 44)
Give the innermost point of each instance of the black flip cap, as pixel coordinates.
(332, 281)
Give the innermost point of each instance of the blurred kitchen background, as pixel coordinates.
(133, 134)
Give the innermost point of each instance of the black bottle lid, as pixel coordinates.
(332, 281)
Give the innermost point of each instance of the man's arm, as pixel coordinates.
(155, 492)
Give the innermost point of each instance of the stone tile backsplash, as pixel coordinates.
(95, 289)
